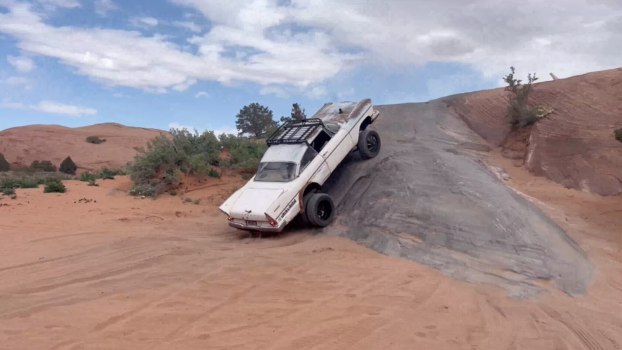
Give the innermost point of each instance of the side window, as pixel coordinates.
(307, 158)
(320, 140)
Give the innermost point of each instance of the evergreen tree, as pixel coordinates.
(67, 166)
(254, 119)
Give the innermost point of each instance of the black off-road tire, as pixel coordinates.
(320, 210)
(369, 143)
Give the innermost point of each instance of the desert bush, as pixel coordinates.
(87, 176)
(618, 134)
(213, 173)
(9, 183)
(42, 165)
(7, 191)
(95, 140)
(147, 189)
(28, 183)
(92, 182)
(4, 164)
(519, 111)
(159, 167)
(54, 186)
(109, 174)
(28, 179)
(67, 166)
(244, 153)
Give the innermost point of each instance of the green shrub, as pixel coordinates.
(618, 134)
(160, 166)
(109, 174)
(146, 189)
(4, 164)
(9, 183)
(519, 111)
(244, 153)
(7, 191)
(92, 182)
(28, 183)
(95, 140)
(43, 165)
(54, 185)
(67, 166)
(87, 176)
(213, 173)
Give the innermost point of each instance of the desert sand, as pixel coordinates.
(120, 272)
(470, 250)
(574, 144)
(23, 145)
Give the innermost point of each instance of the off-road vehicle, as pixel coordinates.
(299, 159)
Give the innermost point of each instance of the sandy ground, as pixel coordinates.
(130, 273)
(23, 145)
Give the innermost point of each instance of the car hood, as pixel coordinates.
(253, 203)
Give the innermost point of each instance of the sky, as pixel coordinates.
(195, 63)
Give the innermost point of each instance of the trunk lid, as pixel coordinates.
(253, 203)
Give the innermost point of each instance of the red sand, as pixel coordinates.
(131, 273)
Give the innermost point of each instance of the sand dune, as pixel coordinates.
(22, 145)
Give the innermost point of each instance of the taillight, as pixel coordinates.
(230, 218)
(271, 221)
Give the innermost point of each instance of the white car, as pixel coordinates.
(300, 158)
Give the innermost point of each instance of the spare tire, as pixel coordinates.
(320, 210)
(369, 143)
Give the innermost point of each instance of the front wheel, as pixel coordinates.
(320, 210)
(369, 143)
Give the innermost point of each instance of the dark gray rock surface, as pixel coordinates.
(429, 198)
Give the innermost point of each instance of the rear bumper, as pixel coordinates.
(256, 228)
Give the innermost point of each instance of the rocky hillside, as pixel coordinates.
(22, 145)
(574, 145)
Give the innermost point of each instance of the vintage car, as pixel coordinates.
(299, 159)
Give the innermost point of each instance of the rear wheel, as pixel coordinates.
(320, 210)
(369, 143)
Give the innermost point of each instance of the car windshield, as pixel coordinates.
(276, 172)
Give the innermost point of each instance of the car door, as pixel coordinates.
(313, 168)
(337, 148)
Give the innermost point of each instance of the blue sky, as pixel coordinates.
(195, 63)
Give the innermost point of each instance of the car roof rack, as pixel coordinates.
(294, 132)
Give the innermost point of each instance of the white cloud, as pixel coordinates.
(177, 126)
(275, 90)
(103, 7)
(127, 58)
(18, 82)
(201, 94)
(21, 63)
(316, 92)
(298, 45)
(60, 3)
(188, 25)
(63, 109)
(12, 105)
(144, 22)
(229, 130)
(51, 107)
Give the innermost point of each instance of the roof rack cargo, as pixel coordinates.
(294, 132)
